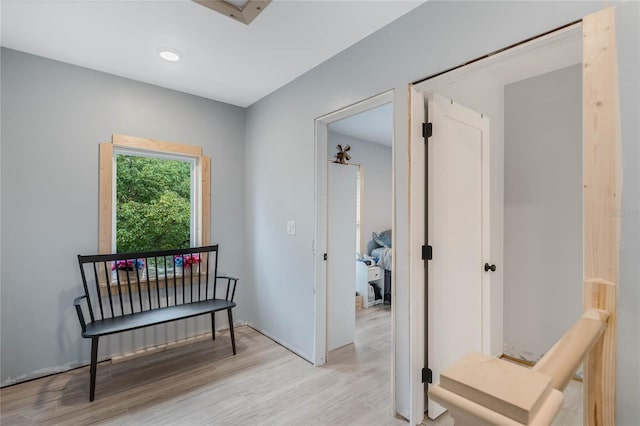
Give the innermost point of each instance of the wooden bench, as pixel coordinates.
(128, 291)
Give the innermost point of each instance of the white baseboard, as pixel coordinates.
(282, 343)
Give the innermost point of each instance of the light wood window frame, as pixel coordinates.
(203, 169)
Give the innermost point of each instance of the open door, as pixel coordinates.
(458, 230)
(341, 262)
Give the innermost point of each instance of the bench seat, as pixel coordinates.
(129, 291)
(157, 316)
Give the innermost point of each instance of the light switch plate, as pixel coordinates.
(291, 227)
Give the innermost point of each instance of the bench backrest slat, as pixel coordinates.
(107, 279)
(199, 286)
(184, 287)
(166, 281)
(95, 274)
(131, 277)
(146, 268)
(86, 289)
(157, 282)
(175, 287)
(215, 284)
(119, 291)
(206, 289)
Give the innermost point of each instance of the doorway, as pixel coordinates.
(482, 86)
(362, 192)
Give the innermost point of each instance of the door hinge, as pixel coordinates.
(427, 375)
(427, 252)
(427, 130)
(324, 257)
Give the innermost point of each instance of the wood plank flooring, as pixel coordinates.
(204, 384)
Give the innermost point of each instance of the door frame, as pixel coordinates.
(321, 168)
(601, 177)
(419, 94)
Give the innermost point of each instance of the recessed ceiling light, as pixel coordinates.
(169, 54)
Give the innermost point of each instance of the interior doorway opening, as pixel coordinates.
(359, 206)
(525, 207)
(354, 245)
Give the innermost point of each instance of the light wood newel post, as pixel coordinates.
(602, 195)
(600, 364)
(601, 151)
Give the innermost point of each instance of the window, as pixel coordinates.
(154, 195)
(154, 201)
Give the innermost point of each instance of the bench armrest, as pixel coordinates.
(229, 280)
(77, 302)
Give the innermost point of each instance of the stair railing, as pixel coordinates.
(481, 390)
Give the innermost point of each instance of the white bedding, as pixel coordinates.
(384, 254)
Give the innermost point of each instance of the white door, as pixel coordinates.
(341, 255)
(458, 231)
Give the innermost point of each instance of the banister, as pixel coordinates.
(563, 360)
(481, 390)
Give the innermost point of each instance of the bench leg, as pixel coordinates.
(94, 365)
(233, 337)
(213, 325)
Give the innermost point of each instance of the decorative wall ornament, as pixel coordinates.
(342, 156)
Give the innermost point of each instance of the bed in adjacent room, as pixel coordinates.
(380, 248)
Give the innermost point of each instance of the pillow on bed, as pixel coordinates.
(383, 239)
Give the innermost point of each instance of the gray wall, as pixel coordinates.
(434, 37)
(376, 202)
(53, 117)
(543, 210)
(628, 385)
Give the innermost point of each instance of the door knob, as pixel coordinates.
(488, 267)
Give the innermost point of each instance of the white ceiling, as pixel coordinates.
(222, 59)
(374, 125)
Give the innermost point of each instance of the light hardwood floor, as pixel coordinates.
(204, 383)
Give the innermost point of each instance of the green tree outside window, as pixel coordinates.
(153, 203)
